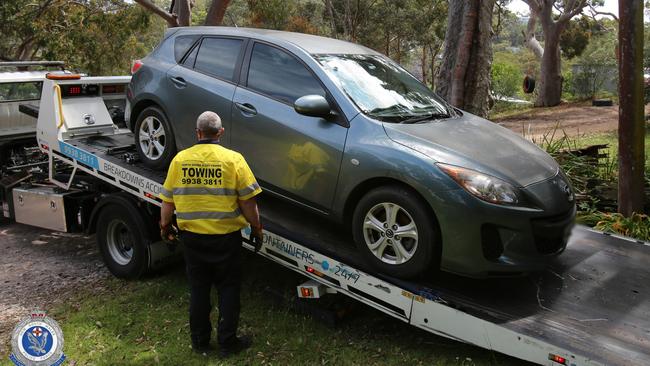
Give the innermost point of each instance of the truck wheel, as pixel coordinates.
(395, 232)
(154, 138)
(122, 242)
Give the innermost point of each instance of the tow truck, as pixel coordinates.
(590, 307)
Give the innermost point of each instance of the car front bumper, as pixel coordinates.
(480, 239)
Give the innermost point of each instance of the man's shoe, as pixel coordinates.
(203, 349)
(233, 348)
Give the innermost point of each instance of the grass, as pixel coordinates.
(145, 322)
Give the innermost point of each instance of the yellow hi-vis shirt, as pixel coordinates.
(204, 182)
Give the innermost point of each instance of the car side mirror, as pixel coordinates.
(313, 106)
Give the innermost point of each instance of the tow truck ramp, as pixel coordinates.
(590, 307)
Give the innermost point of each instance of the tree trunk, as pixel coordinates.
(423, 65)
(550, 80)
(631, 126)
(216, 12)
(550, 83)
(464, 76)
(183, 11)
(167, 16)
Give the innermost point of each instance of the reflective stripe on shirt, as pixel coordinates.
(202, 215)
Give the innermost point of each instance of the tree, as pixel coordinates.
(464, 80)
(631, 126)
(180, 12)
(114, 33)
(553, 24)
(576, 36)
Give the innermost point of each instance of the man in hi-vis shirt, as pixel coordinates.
(213, 192)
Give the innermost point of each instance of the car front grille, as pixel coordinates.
(551, 233)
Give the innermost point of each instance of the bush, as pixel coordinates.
(636, 226)
(506, 79)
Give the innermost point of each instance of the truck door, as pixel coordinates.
(291, 154)
(204, 81)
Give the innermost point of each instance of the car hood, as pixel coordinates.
(475, 143)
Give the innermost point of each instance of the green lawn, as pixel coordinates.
(145, 322)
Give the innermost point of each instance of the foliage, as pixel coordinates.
(595, 181)
(595, 67)
(636, 226)
(576, 36)
(506, 79)
(114, 33)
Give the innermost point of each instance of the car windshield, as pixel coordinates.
(383, 90)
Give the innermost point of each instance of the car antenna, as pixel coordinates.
(233, 21)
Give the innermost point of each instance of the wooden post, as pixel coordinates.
(631, 131)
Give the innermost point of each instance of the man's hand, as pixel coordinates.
(169, 233)
(256, 237)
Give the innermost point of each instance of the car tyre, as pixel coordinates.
(154, 138)
(396, 232)
(122, 242)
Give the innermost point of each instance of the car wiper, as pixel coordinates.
(425, 117)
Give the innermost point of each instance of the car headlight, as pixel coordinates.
(483, 186)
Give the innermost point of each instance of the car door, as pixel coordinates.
(204, 80)
(291, 154)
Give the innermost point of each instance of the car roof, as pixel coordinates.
(22, 76)
(310, 43)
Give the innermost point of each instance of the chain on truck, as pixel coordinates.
(78, 173)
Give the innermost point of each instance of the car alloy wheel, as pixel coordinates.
(390, 233)
(152, 138)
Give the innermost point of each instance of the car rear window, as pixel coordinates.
(218, 57)
(182, 44)
(280, 75)
(11, 92)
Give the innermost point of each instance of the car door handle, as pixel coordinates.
(179, 82)
(246, 108)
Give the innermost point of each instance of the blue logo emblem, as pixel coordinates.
(325, 265)
(37, 340)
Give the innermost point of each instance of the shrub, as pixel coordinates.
(506, 79)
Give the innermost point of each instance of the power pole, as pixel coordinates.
(631, 129)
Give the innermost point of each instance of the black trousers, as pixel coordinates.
(213, 260)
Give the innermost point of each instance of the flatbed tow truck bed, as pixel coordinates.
(591, 306)
(593, 300)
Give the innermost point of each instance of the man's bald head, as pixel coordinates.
(209, 123)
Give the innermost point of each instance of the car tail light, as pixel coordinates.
(136, 66)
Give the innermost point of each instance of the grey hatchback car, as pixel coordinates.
(346, 132)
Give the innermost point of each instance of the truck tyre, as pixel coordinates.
(122, 242)
(395, 231)
(154, 138)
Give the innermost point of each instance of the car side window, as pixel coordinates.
(182, 44)
(279, 75)
(191, 57)
(218, 57)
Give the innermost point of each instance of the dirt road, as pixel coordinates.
(38, 268)
(574, 119)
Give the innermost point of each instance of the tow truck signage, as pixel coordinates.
(337, 269)
(79, 155)
(127, 176)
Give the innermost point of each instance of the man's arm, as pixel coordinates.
(166, 212)
(252, 214)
